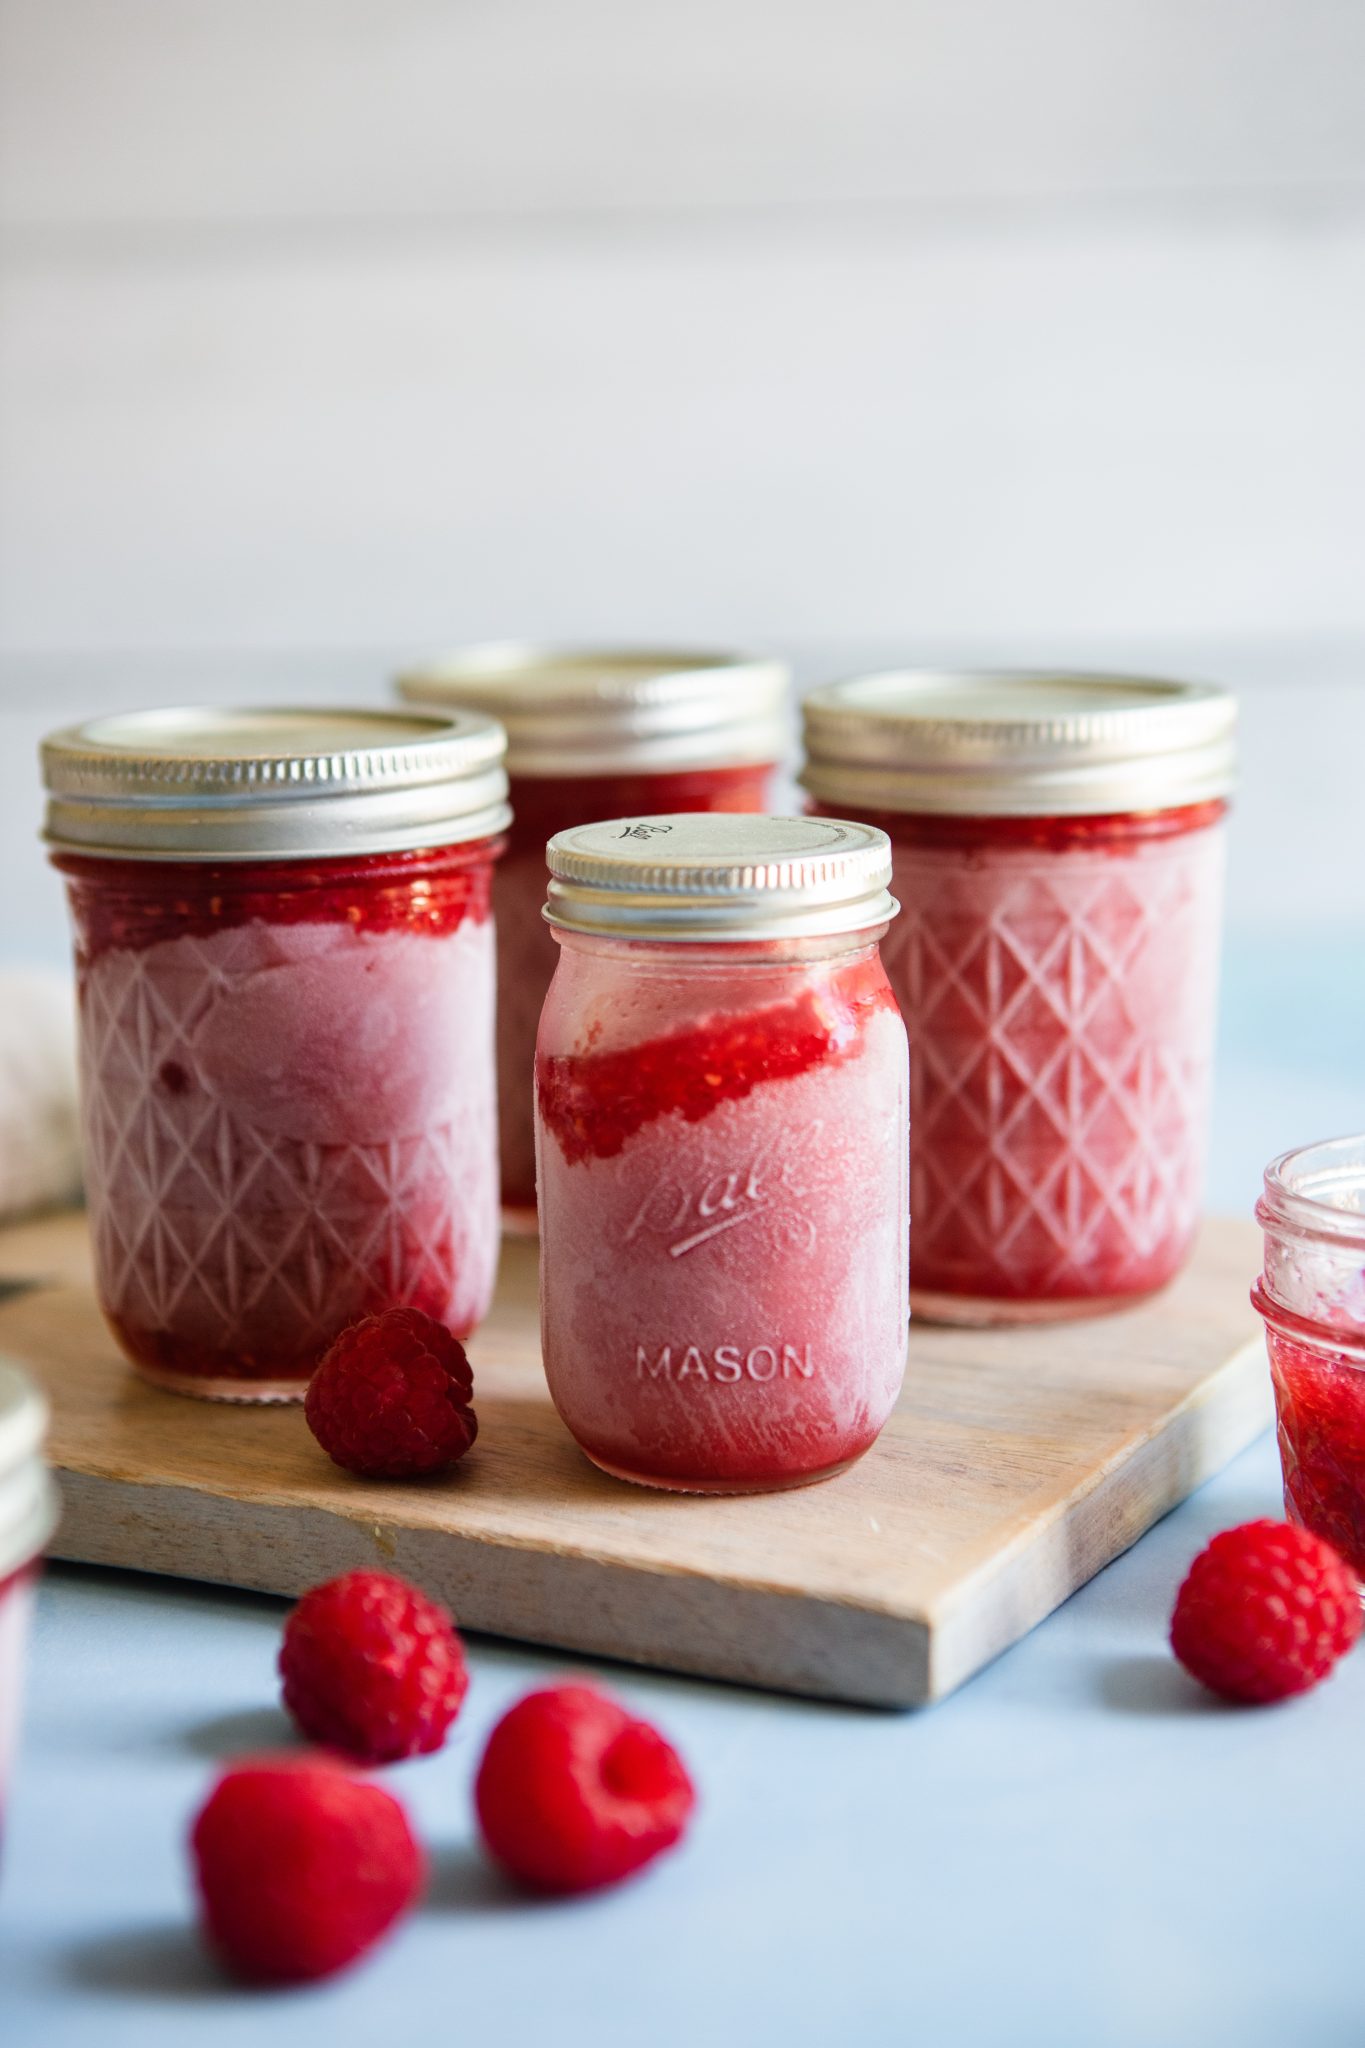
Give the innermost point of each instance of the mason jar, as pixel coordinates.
(1311, 1295)
(596, 733)
(28, 1516)
(1058, 855)
(721, 1129)
(284, 956)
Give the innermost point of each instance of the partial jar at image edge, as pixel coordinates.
(721, 1065)
(28, 1516)
(284, 959)
(1058, 856)
(594, 734)
(1311, 1296)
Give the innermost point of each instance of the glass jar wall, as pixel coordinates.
(286, 1062)
(1311, 1295)
(1056, 962)
(722, 1138)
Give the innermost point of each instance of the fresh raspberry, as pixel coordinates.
(372, 1667)
(572, 1793)
(391, 1398)
(1266, 1611)
(300, 1867)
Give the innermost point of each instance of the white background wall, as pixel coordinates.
(334, 329)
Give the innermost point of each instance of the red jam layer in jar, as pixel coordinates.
(527, 953)
(723, 1211)
(1320, 1416)
(287, 1080)
(1058, 981)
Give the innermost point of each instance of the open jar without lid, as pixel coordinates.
(1311, 1294)
(285, 972)
(721, 1108)
(596, 733)
(1058, 858)
(28, 1516)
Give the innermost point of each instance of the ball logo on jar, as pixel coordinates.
(731, 1196)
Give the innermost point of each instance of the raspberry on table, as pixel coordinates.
(1266, 1611)
(573, 1793)
(373, 1667)
(390, 1399)
(300, 1868)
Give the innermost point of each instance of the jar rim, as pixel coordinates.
(574, 711)
(1305, 1186)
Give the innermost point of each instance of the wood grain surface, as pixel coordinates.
(1017, 1464)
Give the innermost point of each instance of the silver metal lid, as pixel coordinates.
(1017, 743)
(602, 711)
(28, 1498)
(694, 877)
(203, 784)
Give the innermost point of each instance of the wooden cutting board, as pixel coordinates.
(1017, 1464)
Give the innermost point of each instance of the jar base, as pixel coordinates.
(982, 1312)
(704, 1488)
(240, 1393)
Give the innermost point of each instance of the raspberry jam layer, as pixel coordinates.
(287, 1081)
(527, 953)
(1320, 1411)
(723, 1218)
(1057, 977)
(593, 1102)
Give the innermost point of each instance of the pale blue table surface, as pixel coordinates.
(1076, 1850)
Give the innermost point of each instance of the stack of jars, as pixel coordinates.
(285, 950)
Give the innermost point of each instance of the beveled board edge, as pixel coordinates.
(1061, 1552)
(674, 1621)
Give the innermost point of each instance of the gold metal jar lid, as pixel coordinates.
(204, 784)
(717, 876)
(1017, 743)
(603, 711)
(28, 1498)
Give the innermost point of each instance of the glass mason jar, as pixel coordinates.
(1312, 1296)
(284, 954)
(28, 1516)
(595, 734)
(721, 1128)
(1058, 855)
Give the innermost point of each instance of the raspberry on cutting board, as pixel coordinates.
(573, 1793)
(1266, 1611)
(300, 1868)
(390, 1400)
(373, 1667)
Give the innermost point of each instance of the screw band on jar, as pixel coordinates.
(1057, 850)
(612, 711)
(689, 879)
(284, 946)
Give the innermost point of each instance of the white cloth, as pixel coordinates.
(39, 1135)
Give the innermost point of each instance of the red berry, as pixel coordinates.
(391, 1398)
(1266, 1611)
(300, 1867)
(572, 1793)
(372, 1667)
